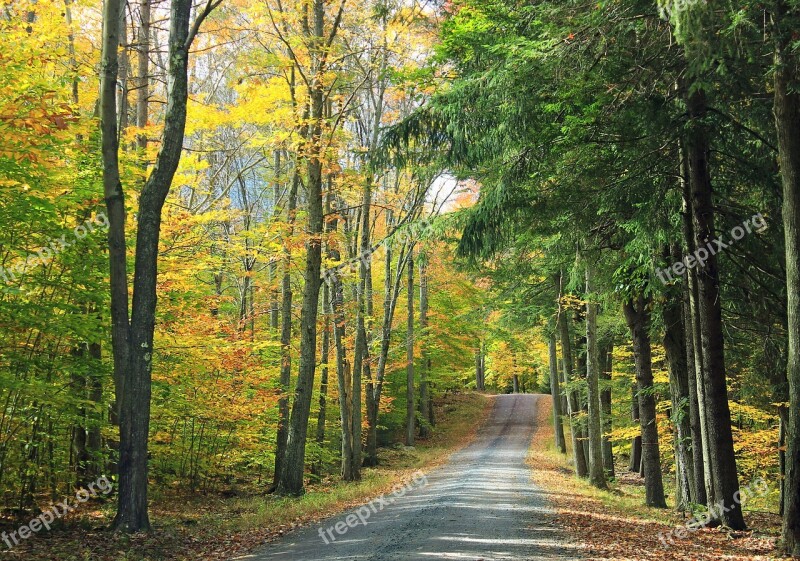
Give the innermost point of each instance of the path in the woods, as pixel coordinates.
(480, 506)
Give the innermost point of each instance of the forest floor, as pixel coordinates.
(615, 524)
(213, 527)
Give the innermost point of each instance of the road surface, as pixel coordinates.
(480, 506)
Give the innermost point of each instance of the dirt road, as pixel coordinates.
(481, 505)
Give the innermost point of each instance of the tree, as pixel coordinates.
(637, 315)
(320, 39)
(597, 475)
(411, 415)
(133, 335)
(555, 392)
(787, 119)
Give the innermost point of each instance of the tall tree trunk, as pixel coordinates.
(555, 391)
(133, 339)
(787, 120)
(675, 348)
(143, 78)
(392, 284)
(480, 382)
(635, 464)
(343, 374)
(725, 481)
(410, 408)
(638, 318)
(581, 369)
(323, 384)
(274, 307)
(363, 301)
(694, 354)
(573, 403)
(425, 406)
(293, 468)
(597, 475)
(605, 403)
(287, 297)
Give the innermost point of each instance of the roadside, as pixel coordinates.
(614, 525)
(215, 527)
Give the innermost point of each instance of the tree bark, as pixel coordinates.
(410, 408)
(425, 406)
(637, 316)
(573, 404)
(635, 464)
(287, 297)
(132, 339)
(274, 308)
(787, 120)
(143, 78)
(597, 475)
(694, 353)
(323, 384)
(725, 480)
(605, 402)
(675, 348)
(293, 468)
(555, 391)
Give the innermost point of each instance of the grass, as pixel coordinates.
(212, 527)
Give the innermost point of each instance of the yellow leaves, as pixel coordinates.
(752, 414)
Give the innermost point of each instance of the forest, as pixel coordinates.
(260, 259)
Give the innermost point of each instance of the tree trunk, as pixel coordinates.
(675, 348)
(605, 403)
(725, 481)
(787, 120)
(425, 406)
(373, 398)
(635, 465)
(555, 391)
(132, 339)
(143, 78)
(323, 384)
(410, 409)
(573, 404)
(580, 345)
(597, 475)
(274, 308)
(361, 351)
(344, 376)
(286, 335)
(293, 468)
(694, 353)
(638, 319)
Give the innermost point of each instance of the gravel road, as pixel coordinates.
(480, 506)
